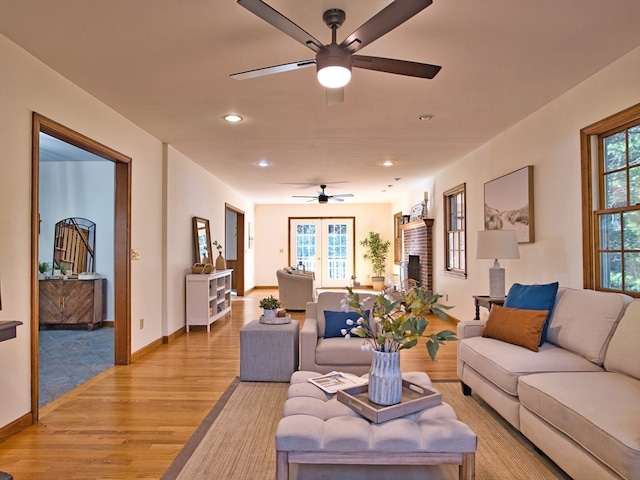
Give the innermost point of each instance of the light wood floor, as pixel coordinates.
(131, 421)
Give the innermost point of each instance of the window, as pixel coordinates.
(455, 231)
(611, 203)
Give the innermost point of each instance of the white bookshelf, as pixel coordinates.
(208, 297)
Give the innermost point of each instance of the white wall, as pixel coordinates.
(192, 192)
(161, 211)
(272, 234)
(549, 139)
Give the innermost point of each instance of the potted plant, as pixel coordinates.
(270, 306)
(390, 326)
(43, 267)
(376, 252)
(221, 264)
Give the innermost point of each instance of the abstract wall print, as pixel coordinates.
(508, 204)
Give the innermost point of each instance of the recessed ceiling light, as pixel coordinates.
(426, 117)
(263, 163)
(232, 118)
(387, 163)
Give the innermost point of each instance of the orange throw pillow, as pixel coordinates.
(515, 325)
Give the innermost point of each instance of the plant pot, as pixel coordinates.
(220, 262)
(385, 378)
(378, 283)
(269, 314)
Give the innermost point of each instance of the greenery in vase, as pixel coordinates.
(217, 245)
(43, 267)
(376, 252)
(394, 325)
(270, 303)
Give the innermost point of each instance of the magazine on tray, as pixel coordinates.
(333, 381)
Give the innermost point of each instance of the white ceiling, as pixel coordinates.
(165, 65)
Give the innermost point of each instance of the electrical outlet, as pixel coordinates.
(141, 323)
(135, 254)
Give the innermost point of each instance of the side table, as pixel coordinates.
(268, 353)
(487, 302)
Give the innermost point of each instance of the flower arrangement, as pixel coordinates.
(395, 325)
(270, 303)
(217, 245)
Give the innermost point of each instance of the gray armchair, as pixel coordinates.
(320, 354)
(295, 289)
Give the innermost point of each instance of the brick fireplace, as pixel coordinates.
(417, 242)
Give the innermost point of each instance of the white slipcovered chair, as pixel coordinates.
(323, 355)
(295, 288)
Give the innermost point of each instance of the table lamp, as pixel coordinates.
(497, 244)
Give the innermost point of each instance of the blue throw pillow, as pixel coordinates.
(533, 297)
(336, 321)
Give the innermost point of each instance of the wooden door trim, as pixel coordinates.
(122, 244)
(240, 242)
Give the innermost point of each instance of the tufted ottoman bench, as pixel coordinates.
(318, 429)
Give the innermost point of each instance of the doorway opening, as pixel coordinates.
(234, 247)
(121, 242)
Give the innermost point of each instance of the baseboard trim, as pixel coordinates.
(16, 426)
(137, 355)
(171, 337)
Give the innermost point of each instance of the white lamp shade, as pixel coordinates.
(334, 76)
(496, 244)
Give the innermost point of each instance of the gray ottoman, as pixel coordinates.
(317, 429)
(268, 353)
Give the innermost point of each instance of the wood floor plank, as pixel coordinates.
(131, 421)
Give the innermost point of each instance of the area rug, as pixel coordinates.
(236, 442)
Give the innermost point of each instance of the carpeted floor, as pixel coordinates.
(69, 358)
(235, 442)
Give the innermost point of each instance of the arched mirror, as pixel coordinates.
(74, 245)
(202, 240)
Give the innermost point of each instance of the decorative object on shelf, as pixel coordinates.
(43, 268)
(270, 306)
(376, 252)
(416, 212)
(508, 204)
(393, 325)
(221, 264)
(202, 240)
(199, 268)
(496, 244)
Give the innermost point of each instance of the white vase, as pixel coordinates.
(269, 314)
(385, 378)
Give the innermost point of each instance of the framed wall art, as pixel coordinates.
(508, 204)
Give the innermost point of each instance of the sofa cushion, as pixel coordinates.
(340, 351)
(623, 354)
(334, 322)
(503, 363)
(534, 297)
(517, 326)
(581, 405)
(583, 321)
(331, 301)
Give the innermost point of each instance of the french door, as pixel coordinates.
(324, 246)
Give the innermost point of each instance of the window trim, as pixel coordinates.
(590, 174)
(462, 188)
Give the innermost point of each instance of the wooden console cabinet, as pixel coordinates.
(208, 297)
(72, 302)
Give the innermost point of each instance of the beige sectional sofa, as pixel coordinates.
(578, 398)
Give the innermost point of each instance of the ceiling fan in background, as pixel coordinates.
(324, 198)
(334, 61)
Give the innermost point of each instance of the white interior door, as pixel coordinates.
(324, 246)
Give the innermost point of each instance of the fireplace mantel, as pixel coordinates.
(417, 224)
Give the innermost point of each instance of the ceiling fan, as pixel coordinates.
(324, 198)
(334, 61)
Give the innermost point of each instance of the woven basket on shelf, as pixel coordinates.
(202, 268)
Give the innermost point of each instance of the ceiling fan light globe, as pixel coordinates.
(334, 76)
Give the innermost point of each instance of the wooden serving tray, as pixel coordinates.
(414, 399)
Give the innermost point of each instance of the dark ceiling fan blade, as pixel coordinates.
(285, 67)
(282, 23)
(384, 21)
(400, 67)
(335, 96)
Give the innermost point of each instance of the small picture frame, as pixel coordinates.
(416, 212)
